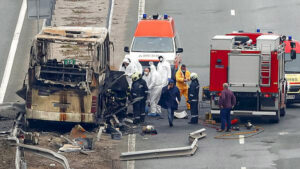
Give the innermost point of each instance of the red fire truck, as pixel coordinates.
(253, 66)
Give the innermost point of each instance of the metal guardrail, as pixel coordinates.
(158, 153)
(20, 163)
(13, 137)
(47, 154)
(167, 152)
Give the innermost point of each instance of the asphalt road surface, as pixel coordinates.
(9, 13)
(196, 23)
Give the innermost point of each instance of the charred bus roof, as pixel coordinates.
(68, 56)
(73, 34)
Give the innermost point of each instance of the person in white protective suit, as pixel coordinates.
(128, 68)
(135, 62)
(164, 69)
(147, 75)
(147, 78)
(155, 87)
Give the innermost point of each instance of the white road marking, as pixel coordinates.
(283, 133)
(131, 147)
(141, 10)
(242, 139)
(243, 168)
(232, 12)
(132, 137)
(111, 15)
(12, 51)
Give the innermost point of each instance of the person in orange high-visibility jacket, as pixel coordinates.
(182, 77)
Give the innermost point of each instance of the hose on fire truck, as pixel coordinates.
(257, 130)
(234, 135)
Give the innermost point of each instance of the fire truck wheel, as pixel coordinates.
(216, 118)
(282, 111)
(276, 118)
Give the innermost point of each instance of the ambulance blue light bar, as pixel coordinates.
(165, 16)
(257, 30)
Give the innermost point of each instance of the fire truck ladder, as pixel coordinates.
(265, 66)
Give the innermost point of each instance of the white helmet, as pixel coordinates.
(194, 76)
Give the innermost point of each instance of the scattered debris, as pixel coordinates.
(68, 140)
(69, 148)
(128, 120)
(31, 138)
(197, 135)
(100, 133)
(149, 129)
(181, 115)
(78, 132)
(84, 143)
(56, 142)
(248, 125)
(236, 128)
(168, 152)
(116, 134)
(52, 165)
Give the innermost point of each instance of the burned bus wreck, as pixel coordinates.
(68, 77)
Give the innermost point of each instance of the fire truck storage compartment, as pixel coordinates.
(243, 72)
(269, 42)
(222, 42)
(247, 101)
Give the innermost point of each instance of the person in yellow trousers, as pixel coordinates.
(182, 77)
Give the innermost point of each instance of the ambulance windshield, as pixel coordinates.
(293, 65)
(152, 44)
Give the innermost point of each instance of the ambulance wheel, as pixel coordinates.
(282, 111)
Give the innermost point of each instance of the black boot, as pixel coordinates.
(142, 119)
(136, 121)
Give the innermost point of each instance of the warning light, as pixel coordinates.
(290, 38)
(144, 16)
(257, 30)
(267, 95)
(165, 16)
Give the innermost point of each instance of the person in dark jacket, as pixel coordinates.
(169, 99)
(139, 89)
(226, 102)
(193, 94)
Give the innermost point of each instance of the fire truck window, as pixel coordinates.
(152, 44)
(292, 66)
